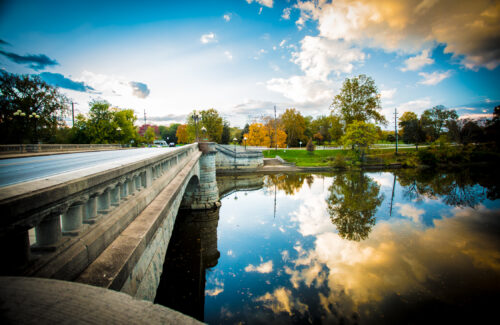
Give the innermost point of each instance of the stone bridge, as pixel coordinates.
(109, 229)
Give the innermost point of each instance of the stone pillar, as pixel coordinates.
(103, 202)
(130, 186)
(137, 180)
(48, 232)
(72, 219)
(90, 209)
(115, 195)
(124, 190)
(206, 196)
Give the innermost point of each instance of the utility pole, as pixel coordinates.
(73, 114)
(275, 131)
(396, 128)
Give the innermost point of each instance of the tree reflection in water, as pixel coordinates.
(458, 189)
(352, 203)
(288, 183)
(191, 251)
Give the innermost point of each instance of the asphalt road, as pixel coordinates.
(19, 170)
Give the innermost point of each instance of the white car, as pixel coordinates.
(160, 143)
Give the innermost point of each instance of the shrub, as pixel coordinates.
(427, 157)
(339, 162)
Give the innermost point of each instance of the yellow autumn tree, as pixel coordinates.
(259, 135)
(182, 134)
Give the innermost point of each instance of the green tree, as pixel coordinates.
(358, 100)
(359, 136)
(211, 120)
(32, 97)
(150, 135)
(294, 125)
(413, 131)
(434, 120)
(336, 131)
(226, 133)
(352, 204)
(125, 130)
(246, 130)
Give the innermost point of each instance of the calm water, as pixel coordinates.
(347, 248)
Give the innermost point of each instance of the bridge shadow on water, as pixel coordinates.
(191, 251)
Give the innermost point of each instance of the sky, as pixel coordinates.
(242, 57)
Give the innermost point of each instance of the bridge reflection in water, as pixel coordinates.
(191, 251)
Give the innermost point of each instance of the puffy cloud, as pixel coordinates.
(387, 93)
(286, 13)
(139, 89)
(282, 43)
(319, 57)
(208, 38)
(433, 78)
(34, 61)
(168, 118)
(417, 106)
(302, 89)
(409, 211)
(59, 80)
(267, 3)
(227, 17)
(281, 300)
(266, 267)
(416, 62)
(228, 55)
(396, 25)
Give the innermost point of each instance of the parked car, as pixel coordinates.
(160, 143)
(171, 144)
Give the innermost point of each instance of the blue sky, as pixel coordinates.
(242, 56)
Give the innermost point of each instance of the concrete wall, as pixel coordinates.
(229, 157)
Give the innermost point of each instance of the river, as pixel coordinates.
(348, 248)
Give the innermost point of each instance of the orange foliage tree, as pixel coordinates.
(182, 134)
(260, 135)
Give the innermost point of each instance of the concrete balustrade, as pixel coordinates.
(124, 190)
(115, 195)
(72, 220)
(137, 180)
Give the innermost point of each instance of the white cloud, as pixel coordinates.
(387, 93)
(228, 55)
(260, 10)
(286, 13)
(318, 57)
(267, 3)
(302, 89)
(266, 267)
(416, 106)
(416, 62)
(208, 38)
(214, 292)
(409, 211)
(434, 78)
(282, 43)
(281, 300)
(399, 25)
(227, 17)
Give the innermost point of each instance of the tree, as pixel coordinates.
(226, 133)
(412, 128)
(212, 121)
(435, 120)
(125, 130)
(258, 135)
(359, 136)
(32, 97)
(336, 131)
(246, 130)
(319, 137)
(150, 135)
(182, 134)
(322, 125)
(358, 100)
(99, 124)
(353, 201)
(294, 125)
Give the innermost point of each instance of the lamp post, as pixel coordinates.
(119, 130)
(35, 117)
(204, 131)
(245, 138)
(21, 128)
(300, 144)
(234, 140)
(196, 117)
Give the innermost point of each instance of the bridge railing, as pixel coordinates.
(60, 213)
(25, 148)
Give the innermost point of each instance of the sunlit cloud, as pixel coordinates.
(227, 17)
(286, 13)
(431, 79)
(417, 62)
(281, 300)
(409, 211)
(266, 267)
(267, 3)
(214, 292)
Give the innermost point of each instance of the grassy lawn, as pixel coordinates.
(321, 157)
